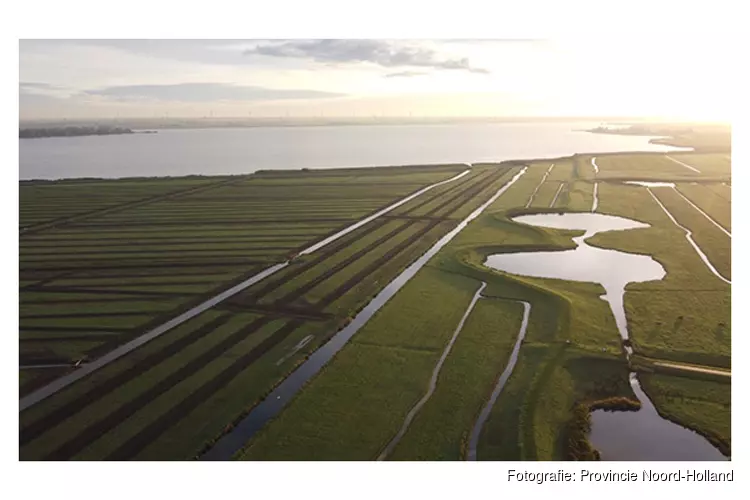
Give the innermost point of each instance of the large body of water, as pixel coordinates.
(215, 151)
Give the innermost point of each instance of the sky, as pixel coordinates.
(664, 77)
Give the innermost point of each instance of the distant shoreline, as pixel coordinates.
(675, 136)
(50, 132)
(289, 171)
(204, 123)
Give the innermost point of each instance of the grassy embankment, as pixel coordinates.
(711, 199)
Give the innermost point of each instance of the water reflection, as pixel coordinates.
(610, 268)
(644, 435)
(651, 184)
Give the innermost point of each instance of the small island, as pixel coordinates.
(73, 131)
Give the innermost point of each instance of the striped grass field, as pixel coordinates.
(168, 398)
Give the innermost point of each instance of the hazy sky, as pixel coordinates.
(627, 76)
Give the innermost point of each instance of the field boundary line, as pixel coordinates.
(122, 206)
(693, 368)
(683, 164)
(710, 219)
(544, 178)
(557, 193)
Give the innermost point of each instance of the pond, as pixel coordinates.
(610, 268)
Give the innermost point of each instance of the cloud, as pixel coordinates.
(205, 92)
(406, 74)
(380, 52)
(38, 86)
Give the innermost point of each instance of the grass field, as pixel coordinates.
(142, 261)
(568, 179)
(715, 243)
(653, 167)
(708, 164)
(711, 199)
(168, 398)
(440, 431)
(175, 239)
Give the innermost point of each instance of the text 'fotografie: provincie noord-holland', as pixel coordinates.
(686, 475)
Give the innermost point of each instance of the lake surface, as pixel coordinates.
(215, 151)
(618, 435)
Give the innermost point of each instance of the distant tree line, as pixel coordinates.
(27, 133)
